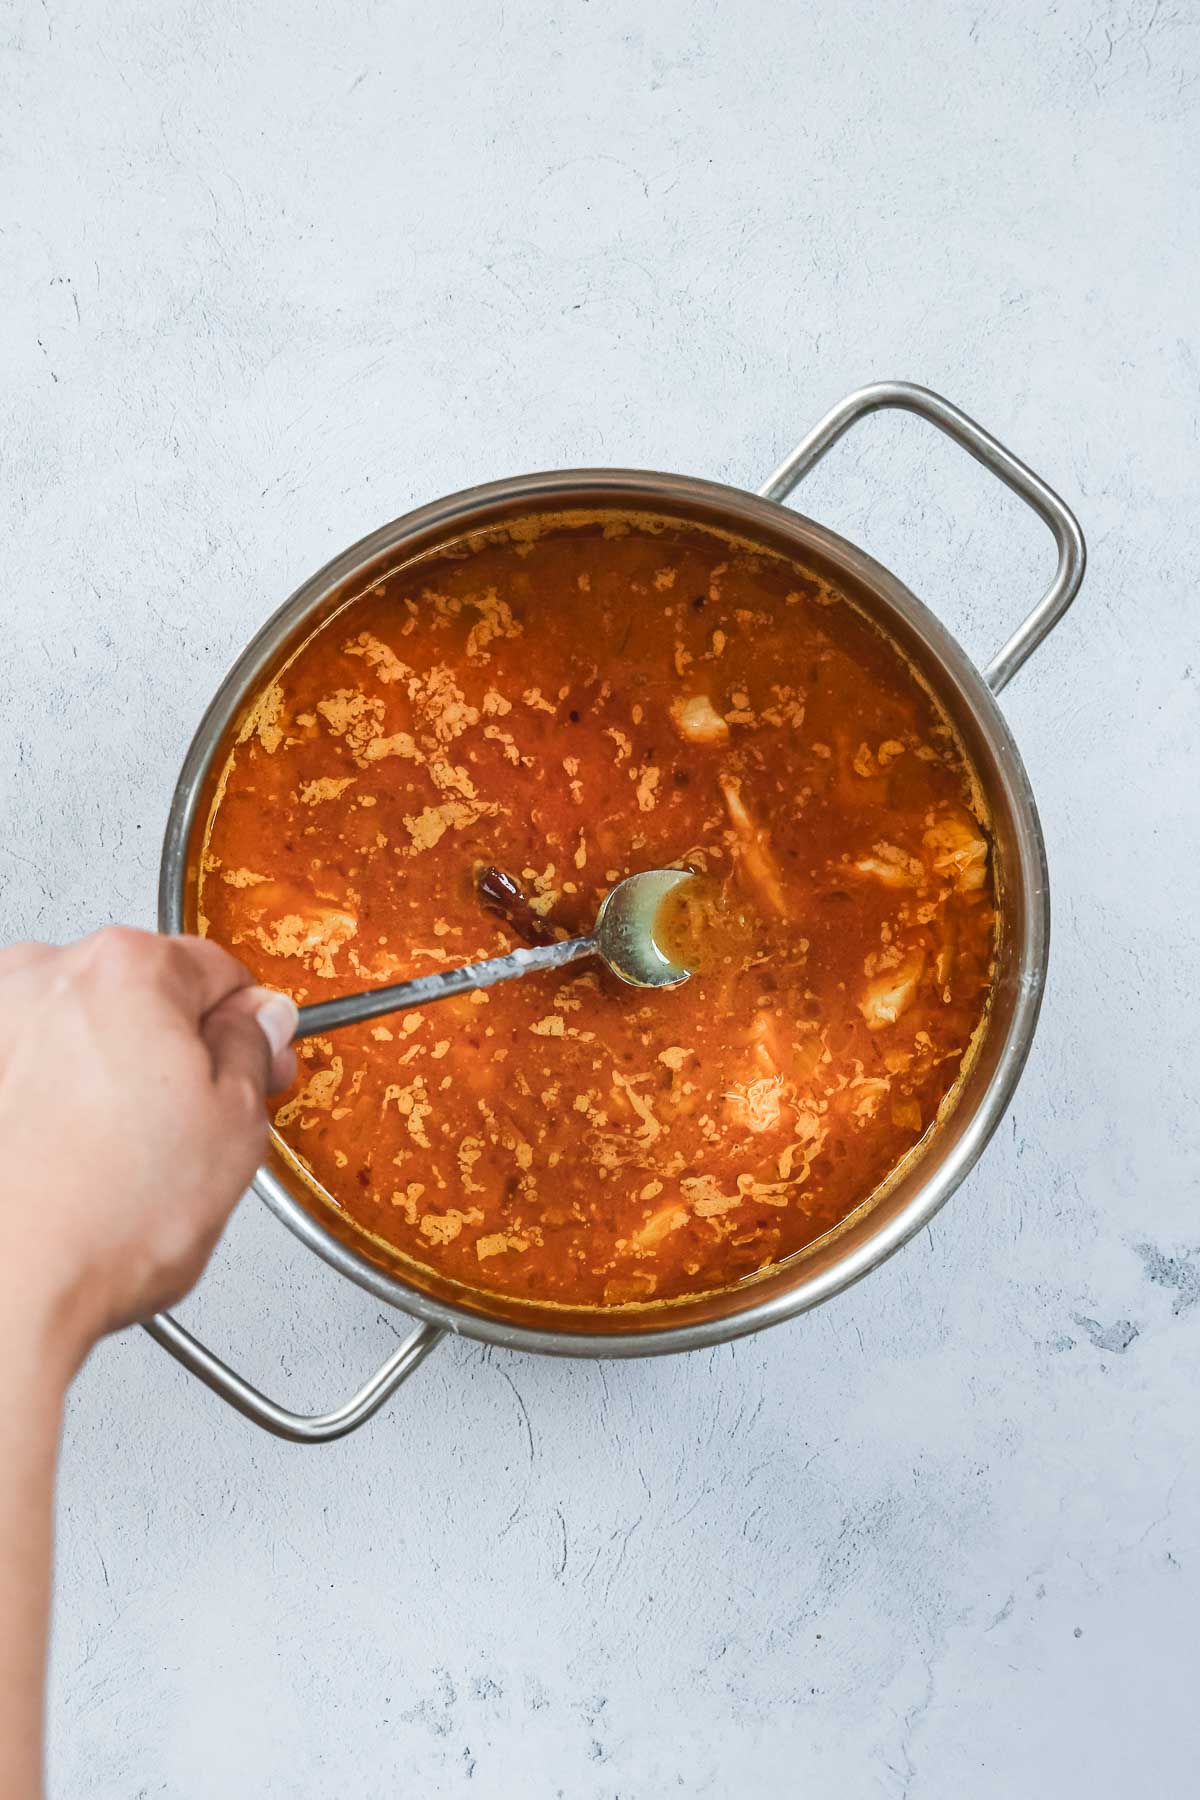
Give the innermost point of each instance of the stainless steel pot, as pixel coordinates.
(1020, 868)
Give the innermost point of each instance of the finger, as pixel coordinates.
(23, 956)
(205, 973)
(258, 1025)
(194, 973)
(241, 1064)
(202, 980)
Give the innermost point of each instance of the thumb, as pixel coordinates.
(249, 1034)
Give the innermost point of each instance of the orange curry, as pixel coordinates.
(567, 701)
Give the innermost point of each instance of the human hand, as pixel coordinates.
(133, 1070)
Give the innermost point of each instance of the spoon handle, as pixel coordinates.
(353, 1009)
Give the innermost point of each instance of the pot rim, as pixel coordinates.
(738, 510)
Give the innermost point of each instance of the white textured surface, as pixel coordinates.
(268, 276)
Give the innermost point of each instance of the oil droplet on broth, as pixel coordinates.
(700, 926)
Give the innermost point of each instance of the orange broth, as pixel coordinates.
(570, 702)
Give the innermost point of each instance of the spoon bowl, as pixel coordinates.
(625, 934)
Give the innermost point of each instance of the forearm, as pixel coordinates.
(38, 1355)
(146, 1050)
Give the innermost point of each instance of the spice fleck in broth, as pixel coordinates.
(468, 756)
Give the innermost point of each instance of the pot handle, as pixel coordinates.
(298, 1428)
(1072, 553)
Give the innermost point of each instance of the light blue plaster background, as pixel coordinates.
(272, 274)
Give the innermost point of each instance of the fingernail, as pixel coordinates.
(277, 1016)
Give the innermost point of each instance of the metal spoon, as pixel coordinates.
(623, 938)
